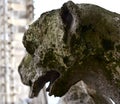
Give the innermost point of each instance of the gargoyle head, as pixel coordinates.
(46, 43)
(70, 44)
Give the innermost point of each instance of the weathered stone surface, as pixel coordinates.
(76, 42)
(81, 94)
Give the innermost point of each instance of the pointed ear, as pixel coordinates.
(69, 14)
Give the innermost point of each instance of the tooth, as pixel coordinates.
(49, 86)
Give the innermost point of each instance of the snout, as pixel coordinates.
(38, 84)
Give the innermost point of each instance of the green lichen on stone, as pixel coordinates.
(27, 59)
(81, 42)
(27, 70)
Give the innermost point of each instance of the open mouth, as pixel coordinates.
(35, 87)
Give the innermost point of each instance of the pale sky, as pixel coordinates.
(47, 5)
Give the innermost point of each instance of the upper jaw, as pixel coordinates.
(36, 76)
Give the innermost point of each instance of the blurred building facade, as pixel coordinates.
(15, 15)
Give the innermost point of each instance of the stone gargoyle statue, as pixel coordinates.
(76, 42)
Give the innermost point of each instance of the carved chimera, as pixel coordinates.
(73, 43)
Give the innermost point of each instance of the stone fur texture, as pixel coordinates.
(73, 43)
